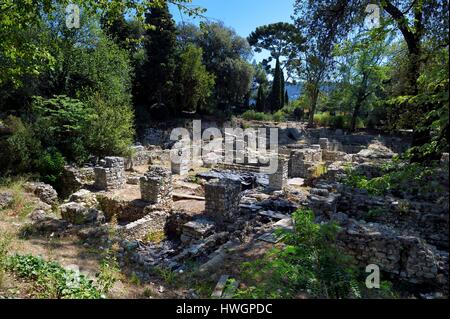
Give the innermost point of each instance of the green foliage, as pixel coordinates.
(50, 165)
(194, 83)
(256, 116)
(282, 40)
(225, 55)
(60, 123)
(155, 236)
(277, 92)
(109, 272)
(50, 280)
(400, 179)
(157, 74)
(309, 262)
(110, 129)
(22, 147)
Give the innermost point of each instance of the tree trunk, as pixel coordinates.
(312, 110)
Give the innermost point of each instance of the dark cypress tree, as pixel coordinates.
(283, 102)
(260, 100)
(159, 68)
(276, 95)
(286, 98)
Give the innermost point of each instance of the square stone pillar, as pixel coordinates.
(111, 175)
(156, 186)
(278, 180)
(222, 200)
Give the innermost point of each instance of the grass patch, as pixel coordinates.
(155, 237)
(22, 205)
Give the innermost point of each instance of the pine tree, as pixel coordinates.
(157, 80)
(286, 98)
(276, 95)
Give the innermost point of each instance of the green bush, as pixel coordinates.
(309, 262)
(22, 146)
(252, 115)
(110, 129)
(322, 119)
(60, 123)
(50, 166)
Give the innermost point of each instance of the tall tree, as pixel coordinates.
(193, 83)
(276, 95)
(260, 100)
(225, 55)
(158, 70)
(282, 40)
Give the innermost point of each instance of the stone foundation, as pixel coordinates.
(302, 162)
(405, 256)
(156, 186)
(154, 221)
(222, 200)
(111, 175)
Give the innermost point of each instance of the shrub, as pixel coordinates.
(22, 146)
(322, 119)
(50, 165)
(252, 115)
(309, 262)
(60, 123)
(110, 129)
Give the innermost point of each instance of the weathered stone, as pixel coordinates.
(222, 200)
(78, 214)
(44, 192)
(6, 199)
(156, 186)
(84, 196)
(73, 179)
(279, 179)
(197, 229)
(140, 156)
(111, 175)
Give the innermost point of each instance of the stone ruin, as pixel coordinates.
(156, 186)
(111, 174)
(222, 200)
(278, 180)
(181, 166)
(304, 162)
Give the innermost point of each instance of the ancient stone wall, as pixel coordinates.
(111, 174)
(140, 157)
(405, 256)
(74, 178)
(278, 180)
(429, 220)
(222, 200)
(154, 221)
(304, 162)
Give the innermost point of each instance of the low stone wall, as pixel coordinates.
(405, 256)
(154, 221)
(111, 175)
(124, 211)
(74, 178)
(140, 157)
(429, 220)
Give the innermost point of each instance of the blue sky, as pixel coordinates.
(242, 15)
